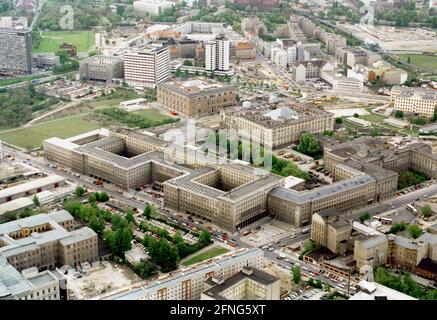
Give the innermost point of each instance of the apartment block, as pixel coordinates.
(217, 54)
(196, 97)
(16, 50)
(189, 283)
(307, 70)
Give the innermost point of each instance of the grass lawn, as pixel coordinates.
(375, 118)
(51, 40)
(114, 99)
(206, 255)
(33, 136)
(426, 62)
(151, 114)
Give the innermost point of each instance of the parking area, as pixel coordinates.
(266, 233)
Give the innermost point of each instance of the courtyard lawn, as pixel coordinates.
(33, 136)
(51, 40)
(421, 61)
(211, 253)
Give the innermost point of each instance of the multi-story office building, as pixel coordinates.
(189, 283)
(217, 54)
(232, 195)
(147, 66)
(101, 68)
(331, 231)
(153, 7)
(45, 241)
(16, 50)
(46, 61)
(248, 284)
(196, 97)
(418, 101)
(277, 127)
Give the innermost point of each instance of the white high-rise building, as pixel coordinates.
(217, 54)
(147, 66)
(154, 7)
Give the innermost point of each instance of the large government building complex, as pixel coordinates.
(234, 195)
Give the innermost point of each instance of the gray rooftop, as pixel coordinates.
(325, 191)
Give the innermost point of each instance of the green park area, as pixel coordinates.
(421, 61)
(211, 253)
(51, 40)
(32, 137)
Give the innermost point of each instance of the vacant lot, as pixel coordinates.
(211, 253)
(33, 136)
(113, 99)
(421, 61)
(83, 40)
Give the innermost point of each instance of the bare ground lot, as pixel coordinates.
(105, 277)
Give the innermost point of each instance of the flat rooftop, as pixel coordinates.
(325, 191)
(37, 183)
(196, 87)
(276, 114)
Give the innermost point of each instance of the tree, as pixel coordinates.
(365, 216)
(356, 115)
(399, 114)
(121, 241)
(149, 211)
(295, 272)
(97, 224)
(79, 191)
(426, 211)
(92, 198)
(163, 254)
(130, 216)
(36, 201)
(237, 97)
(339, 120)
(308, 145)
(102, 196)
(205, 237)
(414, 231)
(187, 63)
(400, 226)
(118, 222)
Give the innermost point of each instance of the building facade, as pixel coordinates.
(16, 50)
(195, 97)
(101, 68)
(147, 66)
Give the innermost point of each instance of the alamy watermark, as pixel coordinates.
(66, 22)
